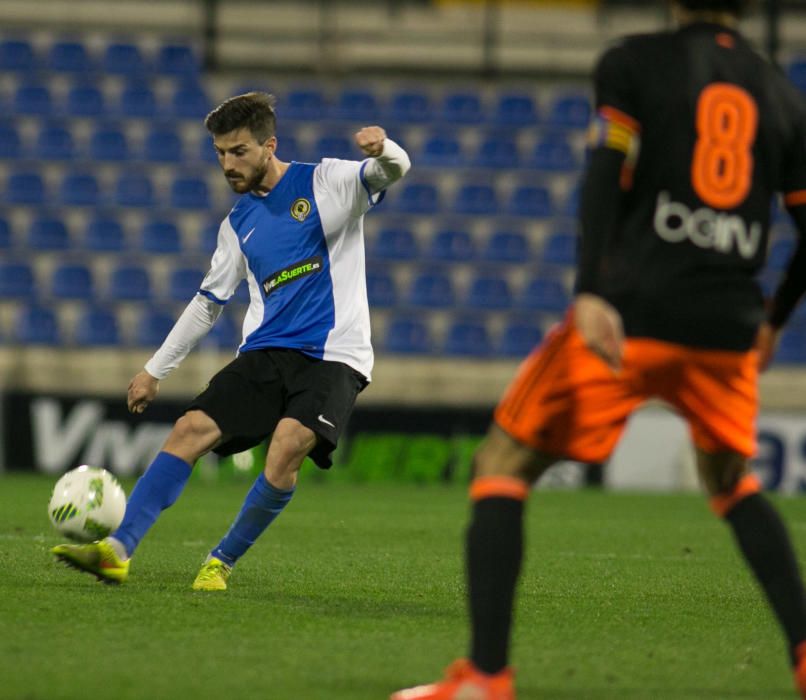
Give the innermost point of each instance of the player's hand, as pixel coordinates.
(766, 342)
(370, 140)
(143, 389)
(600, 326)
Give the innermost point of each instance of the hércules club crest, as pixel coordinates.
(300, 209)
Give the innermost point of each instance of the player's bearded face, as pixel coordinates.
(245, 178)
(245, 161)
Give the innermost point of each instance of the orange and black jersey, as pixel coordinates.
(695, 134)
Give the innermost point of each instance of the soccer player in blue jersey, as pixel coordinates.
(296, 236)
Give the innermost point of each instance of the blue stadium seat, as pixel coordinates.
(570, 111)
(303, 105)
(516, 110)
(408, 335)
(124, 59)
(560, 248)
(381, 288)
(85, 101)
(452, 245)
(109, 143)
(291, 150)
(410, 107)
(207, 153)
(160, 236)
(432, 289)
(554, 154)
(80, 190)
(138, 101)
(442, 150)
(70, 57)
(544, 293)
(418, 198)
(190, 101)
(129, 283)
(208, 237)
(224, 334)
(72, 281)
(152, 327)
(10, 141)
(395, 244)
(184, 282)
(6, 239)
(32, 99)
(104, 234)
(468, 338)
(36, 325)
(356, 106)
(17, 55)
(177, 60)
(462, 108)
(476, 199)
(792, 347)
(780, 253)
(768, 281)
(796, 72)
(570, 205)
(48, 232)
(25, 187)
(507, 247)
(241, 295)
(498, 151)
(55, 142)
(190, 193)
(16, 280)
(334, 146)
(531, 201)
(134, 189)
(163, 145)
(489, 291)
(97, 327)
(519, 338)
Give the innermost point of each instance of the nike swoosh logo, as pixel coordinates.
(246, 237)
(324, 420)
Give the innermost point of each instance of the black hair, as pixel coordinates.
(252, 110)
(735, 7)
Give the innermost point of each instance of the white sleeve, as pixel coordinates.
(387, 168)
(194, 323)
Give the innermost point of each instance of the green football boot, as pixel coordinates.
(212, 576)
(96, 558)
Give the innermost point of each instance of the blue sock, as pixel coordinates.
(157, 489)
(261, 506)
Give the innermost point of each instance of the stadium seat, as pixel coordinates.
(85, 101)
(190, 193)
(570, 205)
(410, 107)
(207, 153)
(97, 327)
(104, 234)
(462, 108)
(291, 150)
(25, 187)
(224, 335)
(36, 325)
(55, 142)
(516, 110)
(441, 150)
(407, 335)
(418, 198)
(303, 105)
(17, 55)
(796, 72)
(553, 154)
(134, 189)
(208, 237)
(468, 338)
(109, 143)
(359, 106)
(152, 328)
(334, 146)
(497, 151)
(489, 291)
(531, 201)
(177, 60)
(560, 248)
(544, 293)
(48, 232)
(507, 247)
(70, 57)
(792, 347)
(163, 145)
(780, 253)
(184, 282)
(72, 281)
(519, 338)
(32, 99)
(190, 101)
(6, 239)
(451, 245)
(10, 142)
(381, 289)
(241, 295)
(124, 59)
(394, 244)
(138, 101)
(160, 236)
(570, 111)
(129, 283)
(476, 199)
(16, 280)
(432, 289)
(80, 190)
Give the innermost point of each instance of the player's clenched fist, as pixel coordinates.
(370, 140)
(142, 391)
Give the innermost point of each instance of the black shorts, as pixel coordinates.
(249, 396)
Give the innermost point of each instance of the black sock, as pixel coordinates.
(766, 546)
(494, 553)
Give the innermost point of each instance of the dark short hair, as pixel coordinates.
(252, 110)
(735, 7)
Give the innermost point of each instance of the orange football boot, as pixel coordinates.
(463, 681)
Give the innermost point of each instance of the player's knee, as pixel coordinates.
(721, 472)
(292, 441)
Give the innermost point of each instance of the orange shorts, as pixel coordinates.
(566, 401)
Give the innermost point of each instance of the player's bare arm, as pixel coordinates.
(143, 389)
(601, 328)
(766, 343)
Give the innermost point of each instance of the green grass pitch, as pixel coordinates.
(357, 590)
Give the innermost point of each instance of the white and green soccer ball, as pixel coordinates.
(87, 504)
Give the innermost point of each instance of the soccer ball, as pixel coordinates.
(87, 504)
